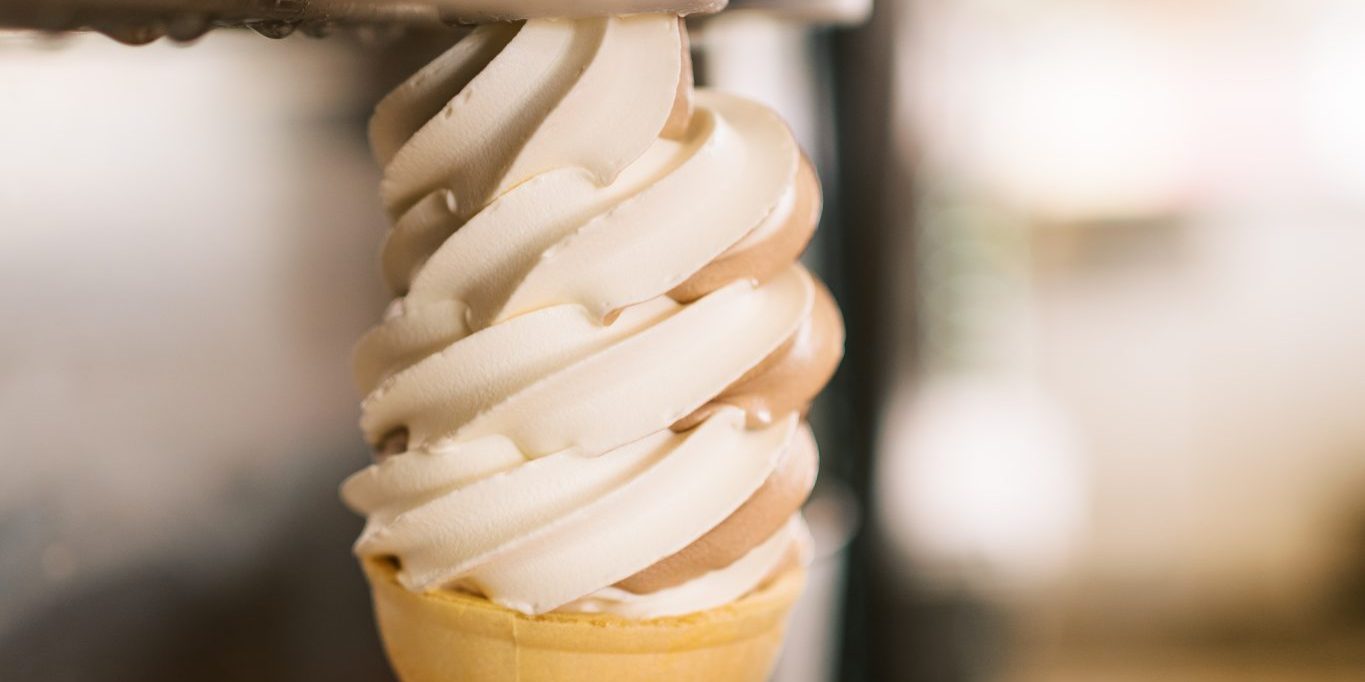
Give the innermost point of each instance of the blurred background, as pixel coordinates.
(1101, 415)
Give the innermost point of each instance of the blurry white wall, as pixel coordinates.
(187, 240)
(1185, 181)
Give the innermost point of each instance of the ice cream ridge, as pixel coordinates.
(588, 395)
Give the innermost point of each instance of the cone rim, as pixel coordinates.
(753, 615)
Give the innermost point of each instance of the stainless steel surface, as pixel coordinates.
(812, 11)
(142, 21)
(137, 22)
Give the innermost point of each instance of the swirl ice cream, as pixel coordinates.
(588, 395)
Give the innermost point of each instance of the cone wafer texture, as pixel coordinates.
(449, 636)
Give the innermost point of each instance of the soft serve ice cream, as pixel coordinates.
(588, 395)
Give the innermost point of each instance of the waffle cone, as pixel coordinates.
(448, 637)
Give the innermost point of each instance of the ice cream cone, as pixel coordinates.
(447, 636)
